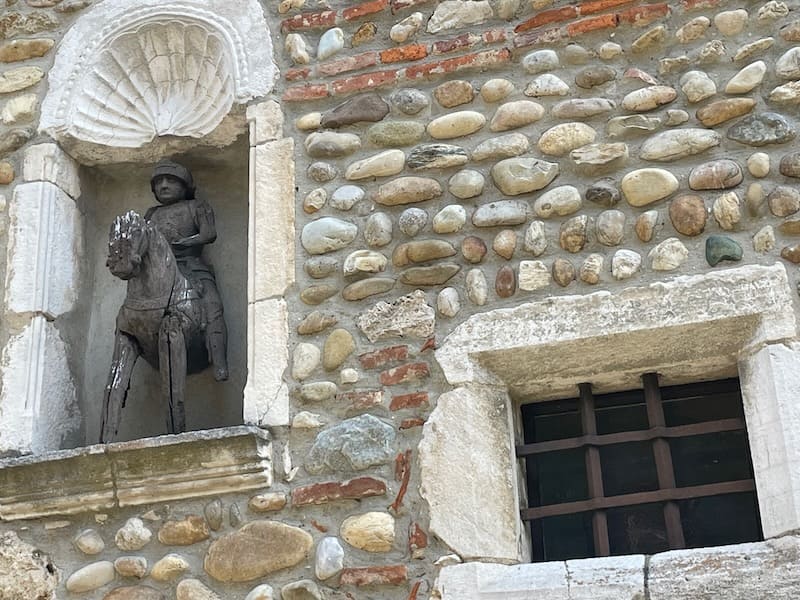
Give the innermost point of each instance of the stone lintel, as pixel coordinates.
(48, 162)
(146, 471)
(266, 122)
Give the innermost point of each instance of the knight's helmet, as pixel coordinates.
(168, 167)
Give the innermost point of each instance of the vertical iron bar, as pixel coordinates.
(594, 471)
(663, 458)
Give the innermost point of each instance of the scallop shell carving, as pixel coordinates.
(165, 78)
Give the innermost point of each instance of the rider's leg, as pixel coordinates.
(216, 331)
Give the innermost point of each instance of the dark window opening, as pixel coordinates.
(638, 472)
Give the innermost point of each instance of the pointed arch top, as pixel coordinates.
(128, 72)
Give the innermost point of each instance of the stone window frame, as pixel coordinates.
(707, 326)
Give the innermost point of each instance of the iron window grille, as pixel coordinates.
(642, 471)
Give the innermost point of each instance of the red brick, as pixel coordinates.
(379, 358)
(595, 6)
(639, 16)
(591, 24)
(319, 526)
(430, 344)
(402, 473)
(297, 74)
(494, 36)
(300, 93)
(361, 400)
(329, 491)
(417, 538)
(364, 82)
(404, 53)
(476, 60)
(364, 9)
(465, 40)
(405, 373)
(538, 38)
(349, 63)
(359, 576)
(554, 15)
(309, 20)
(409, 401)
(398, 5)
(414, 591)
(412, 423)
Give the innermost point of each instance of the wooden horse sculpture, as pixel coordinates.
(161, 320)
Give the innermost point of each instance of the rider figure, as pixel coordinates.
(187, 223)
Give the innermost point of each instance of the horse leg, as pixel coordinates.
(126, 351)
(172, 364)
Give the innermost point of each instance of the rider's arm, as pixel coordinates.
(206, 229)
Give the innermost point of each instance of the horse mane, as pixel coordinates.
(123, 226)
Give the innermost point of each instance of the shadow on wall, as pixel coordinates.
(221, 177)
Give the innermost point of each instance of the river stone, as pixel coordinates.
(330, 43)
(23, 49)
(456, 124)
(89, 542)
(731, 22)
(688, 214)
(625, 264)
(784, 201)
(669, 146)
(645, 186)
(757, 47)
(434, 275)
(572, 235)
(477, 287)
(540, 61)
(653, 37)
(582, 108)
(593, 76)
(721, 247)
(6, 173)
(305, 589)
(131, 566)
(194, 589)
(504, 146)
(546, 85)
(367, 287)
(790, 32)
(564, 137)
(560, 201)
(758, 164)
(20, 78)
(634, 73)
(535, 240)
(514, 176)
(395, 133)
(747, 78)
(727, 211)
(764, 239)
(533, 275)
(352, 445)
(305, 359)
(600, 158)
(363, 35)
(378, 230)
(512, 115)
(322, 172)
(452, 14)
(697, 86)
(450, 219)
(711, 52)
(505, 243)
(609, 50)
(329, 559)
(675, 116)
(473, 249)
(563, 272)
(315, 200)
(133, 535)
(621, 126)
(318, 391)
(14, 140)
(185, 532)
(646, 225)
(761, 129)
(261, 592)
(331, 144)
(591, 269)
(454, 93)
(649, 98)
(788, 93)
(135, 592)
(724, 110)
(389, 162)
(790, 165)
(791, 253)
(339, 345)
(756, 198)
(693, 30)
(315, 322)
(505, 283)
(467, 183)
(309, 121)
(91, 577)
(326, 235)
(408, 316)
(502, 212)
(321, 266)
(604, 192)
(402, 31)
(610, 227)
(369, 107)
(317, 294)
(409, 101)
(345, 197)
(668, 255)
(495, 90)
(421, 251)
(437, 156)
(364, 261)
(448, 303)
(718, 174)
(372, 531)
(788, 65)
(412, 221)
(407, 190)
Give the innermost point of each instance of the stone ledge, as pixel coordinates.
(165, 468)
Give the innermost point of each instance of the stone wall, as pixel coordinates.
(451, 158)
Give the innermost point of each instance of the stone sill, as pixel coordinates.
(158, 469)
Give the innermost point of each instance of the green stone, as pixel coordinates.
(721, 247)
(395, 133)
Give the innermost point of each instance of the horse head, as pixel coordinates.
(126, 244)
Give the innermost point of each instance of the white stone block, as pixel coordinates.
(48, 162)
(271, 232)
(488, 581)
(266, 395)
(44, 250)
(38, 403)
(606, 578)
(467, 476)
(770, 380)
(266, 122)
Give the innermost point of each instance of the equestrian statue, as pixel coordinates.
(172, 314)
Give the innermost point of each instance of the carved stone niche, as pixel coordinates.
(134, 82)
